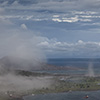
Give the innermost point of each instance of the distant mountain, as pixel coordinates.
(11, 63)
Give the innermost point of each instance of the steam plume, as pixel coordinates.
(19, 46)
(90, 70)
(15, 83)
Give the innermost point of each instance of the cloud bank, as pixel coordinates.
(78, 49)
(55, 16)
(53, 5)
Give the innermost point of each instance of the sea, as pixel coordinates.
(75, 62)
(78, 95)
(83, 63)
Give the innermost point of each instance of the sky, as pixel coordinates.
(54, 28)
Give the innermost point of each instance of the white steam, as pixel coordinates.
(15, 83)
(90, 70)
(19, 45)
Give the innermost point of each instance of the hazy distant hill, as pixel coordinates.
(9, 63)
(18, 63)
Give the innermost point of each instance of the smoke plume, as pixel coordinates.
(18, 50)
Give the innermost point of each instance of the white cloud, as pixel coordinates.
(80, 42)
(80, 48)
(85, 20)
(55, 15)
(24, 26)
(15, 4)
(71, 19)
(85, 12)
(89, 16)
(57, 19)
(45, 43)
(2, 10)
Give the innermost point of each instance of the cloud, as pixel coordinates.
(43, 12)
(57, 19)
(5, 3)
(52, 10)
(15, 3)
(80, 48)
(84, 12)
(71, 19)
(56, 5)
(24, 26)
